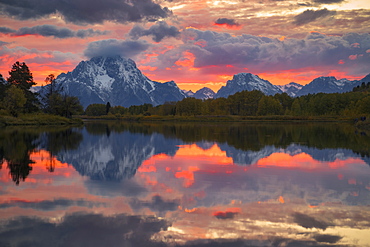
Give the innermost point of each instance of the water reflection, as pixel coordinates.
(185, 185)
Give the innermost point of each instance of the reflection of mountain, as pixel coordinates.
(116, 156)
(114, 152)
(251, 157)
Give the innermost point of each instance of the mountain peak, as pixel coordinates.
(248, 82)
(328, 84)
(291, 89)
(204, 93)
(117, 80)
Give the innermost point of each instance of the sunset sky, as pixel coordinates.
(196, 43)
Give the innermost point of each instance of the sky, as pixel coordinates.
(195, 43)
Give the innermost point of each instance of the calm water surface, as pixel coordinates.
(111, 184)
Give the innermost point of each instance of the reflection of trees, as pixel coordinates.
(251, 136)
(66, 139)
(17, 144)
(16, 147)
(58, 140)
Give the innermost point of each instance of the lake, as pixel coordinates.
(200, 185)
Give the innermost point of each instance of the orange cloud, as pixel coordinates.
(353, 57)
(227, 26)
(302, 161)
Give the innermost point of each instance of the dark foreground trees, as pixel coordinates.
(56, 102)
(16, 96)
(21, 77)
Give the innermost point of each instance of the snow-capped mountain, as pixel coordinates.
(291, 89)
(328, 84)
(35, 89)
(116, 80)
(188, 93)
(249, 82)
(204, 93)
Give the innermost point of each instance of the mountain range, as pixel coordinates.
(118, 80)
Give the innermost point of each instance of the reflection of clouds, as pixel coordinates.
(296, 177)
(286, 202)
(157, 204)
(307, 221)
(49, 205)
(82, 230)
(123, 230)
(298, 193)
(249, 157)
(127, 188)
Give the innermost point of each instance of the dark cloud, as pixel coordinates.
(227, 21)
(47, 205)
(325, 238)
(309, 222)
(112, 47)
(328, 1)
(93, 230)
(311, 15)
(7, 30)
(259, 53)
(112, 189)
(158, 31)
(3, 43)
(157, 204)
(54, 31)
(85, 11)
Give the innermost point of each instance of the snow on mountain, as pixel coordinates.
(116, 80)
(249, 82)
(291, 89)
(328, 84)
(188, 93)
(35, 89)
(204, 93)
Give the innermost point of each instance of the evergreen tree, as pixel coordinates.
(21, 76)
(3, 87)
(51, 100)
(107, 108)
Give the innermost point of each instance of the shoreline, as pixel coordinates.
(53, 120)
(156, 118)
(38, 119)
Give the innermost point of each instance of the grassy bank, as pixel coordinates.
(38, 119)
(363, 125)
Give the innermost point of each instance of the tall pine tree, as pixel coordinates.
(21, 76)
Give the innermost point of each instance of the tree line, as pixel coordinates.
(251, 103)
(16, 96)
